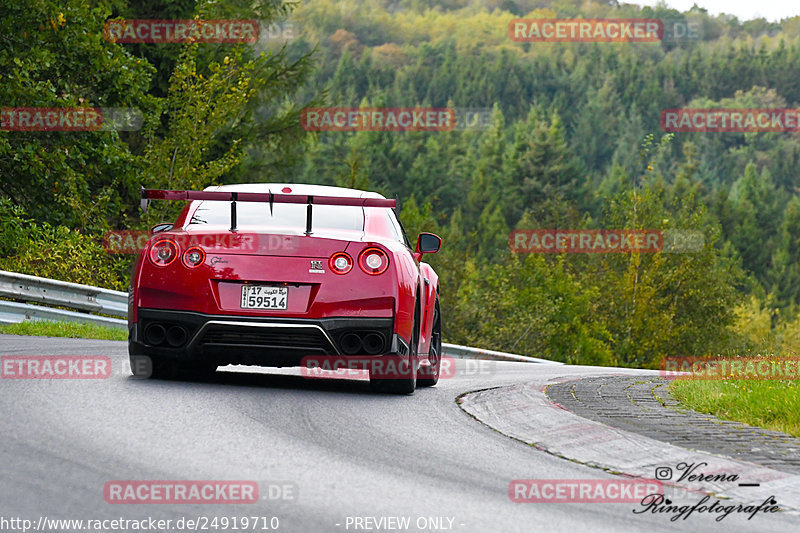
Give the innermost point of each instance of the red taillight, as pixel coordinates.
(194, 257)
(340, 263)
(163, 252)
(373, 261)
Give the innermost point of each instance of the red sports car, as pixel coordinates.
(275, 274)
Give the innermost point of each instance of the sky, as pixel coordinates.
(772, 10)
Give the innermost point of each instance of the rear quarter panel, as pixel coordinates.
(429, 292)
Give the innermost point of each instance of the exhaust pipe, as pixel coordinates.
(350, 344)
(155, 334)
(373, 344)
(176, 336)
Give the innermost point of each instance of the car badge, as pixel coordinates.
(316, 267)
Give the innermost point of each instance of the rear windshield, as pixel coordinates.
(256, 215)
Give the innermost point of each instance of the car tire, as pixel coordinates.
(428, 375)
(144, 367)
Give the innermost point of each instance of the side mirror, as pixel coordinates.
(428, 243)
(158, 228)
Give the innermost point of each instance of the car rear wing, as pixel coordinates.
(270, 197)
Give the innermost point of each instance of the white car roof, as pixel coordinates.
(297, 188)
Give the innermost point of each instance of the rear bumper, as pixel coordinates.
(191, 336)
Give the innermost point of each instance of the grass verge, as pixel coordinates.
(64, 329)
(770, 404)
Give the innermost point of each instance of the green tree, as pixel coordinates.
(785, 272)
(53, 54)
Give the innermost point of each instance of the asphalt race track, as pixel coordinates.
(328, 455)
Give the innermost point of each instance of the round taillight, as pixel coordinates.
(340, 263)
(373, 261)
(194, 257)
(163, 252)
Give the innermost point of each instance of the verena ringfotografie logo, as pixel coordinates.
(70, 119)
(582, 490)
(658, 504)
(699, 368)
(181, 31)
(733, 120)
(586, 30)
(177, 492)
(378, 119)
(55, 367)
(685, 472)
(598, 241)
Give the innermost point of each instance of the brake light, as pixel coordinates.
(373, 261)
(340, 263)
(194, 257)
(163, 252)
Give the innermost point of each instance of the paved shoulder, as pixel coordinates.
(644, 406)
(601, 433)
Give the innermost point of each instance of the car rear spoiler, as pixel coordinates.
(272, 198)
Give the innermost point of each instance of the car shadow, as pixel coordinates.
(266, 380)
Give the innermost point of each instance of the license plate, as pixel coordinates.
(264, 297)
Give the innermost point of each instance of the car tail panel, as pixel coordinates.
(265, 284)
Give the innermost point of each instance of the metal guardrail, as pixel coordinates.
(87, 299)
(51, 292)
(467, 352)
(13, 312)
